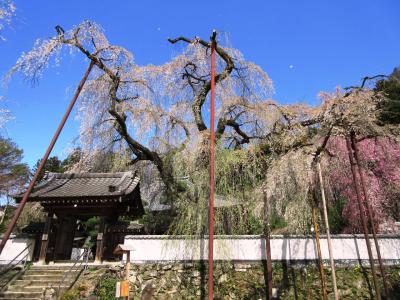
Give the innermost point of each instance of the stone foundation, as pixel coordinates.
(245, 281)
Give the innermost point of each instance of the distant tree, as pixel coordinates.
(72, 159)
(53, 164)
(13, 173)
(390, 87)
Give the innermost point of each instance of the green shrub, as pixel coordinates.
(70, 295)
(277, 222)
(336, 221)
(106, 288)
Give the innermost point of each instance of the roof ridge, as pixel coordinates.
(87, 175)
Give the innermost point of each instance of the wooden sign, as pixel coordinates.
(124, 289)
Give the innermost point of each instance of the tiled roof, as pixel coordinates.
(75, 185)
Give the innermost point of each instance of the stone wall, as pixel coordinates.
(188, 280)
(246, 281)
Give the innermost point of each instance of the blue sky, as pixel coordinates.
(304, 46)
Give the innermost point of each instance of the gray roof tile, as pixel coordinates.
(75, 185)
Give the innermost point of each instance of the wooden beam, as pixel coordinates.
(45, 238)
(100, 241)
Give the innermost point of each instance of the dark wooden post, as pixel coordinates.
(267, 245)
(100, 241)
(362, 217)
(369, 210)
(45, 238)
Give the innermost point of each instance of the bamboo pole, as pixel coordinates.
(370, 211)
(320, 265)
(328, 234)
(362, 217)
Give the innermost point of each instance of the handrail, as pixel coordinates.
(85, 261)
(5, 270)
(11, 265)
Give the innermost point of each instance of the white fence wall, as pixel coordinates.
(252, 248)
(16, 245)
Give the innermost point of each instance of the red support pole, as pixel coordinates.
(212, 176)
(43, 161)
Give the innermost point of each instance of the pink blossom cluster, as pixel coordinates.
(380, 164)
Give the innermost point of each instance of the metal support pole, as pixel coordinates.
(370, 211)
(44, 159)
(362, 217)
(328, 234)
(212, 176)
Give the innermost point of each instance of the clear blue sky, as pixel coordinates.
(327, 43)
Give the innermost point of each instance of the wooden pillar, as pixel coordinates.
(266, 231)
(45, 238)
(100, 241)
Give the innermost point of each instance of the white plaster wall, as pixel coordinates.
(14, 246)
(252, 248)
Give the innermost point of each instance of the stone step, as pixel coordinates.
(7, 298)
(47, 282)
(52, 273)
(20, 295)
(47, 277)
(64, 268)
(34, 281)
(56, 267)
(34, 289)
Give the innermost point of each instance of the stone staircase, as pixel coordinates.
(38, 281)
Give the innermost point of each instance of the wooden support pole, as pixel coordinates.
(45, 238)
(328, 234)
(320, 262)
(362, 217)
(370, 211)
(267, 245)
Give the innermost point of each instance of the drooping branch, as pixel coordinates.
(236, 126)
(138, 149)
(201, 95)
